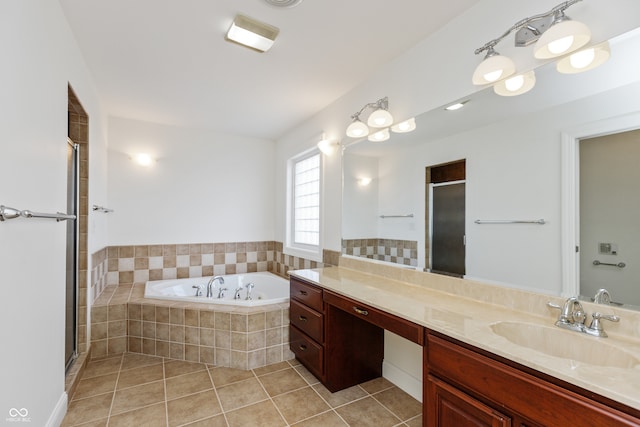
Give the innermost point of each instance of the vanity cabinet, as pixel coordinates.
(464, 386)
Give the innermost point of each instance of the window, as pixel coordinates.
(304, 205)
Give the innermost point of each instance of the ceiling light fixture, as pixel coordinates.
(456, 106)
(283, 3)
(554, 35)
(252, 33)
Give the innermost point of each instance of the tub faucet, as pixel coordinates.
(250, 286)
(236, 294)
(210, 285)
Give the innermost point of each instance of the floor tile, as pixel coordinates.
(400, 403)
(326, 419)
(99, 367)
(217, 421)
(341, 397)
(265, 412)
(367, 412)
(150, 416)
(173, 368)
(271, 368)
(139, 376)
(136, 397)
(240, 394)
(133, 360)
(306, 375)
(300, 404)
(415, 422)
(376, 385)
(193, 408)
(89, 409)
(95, 385)
(183, 385)
(99, 423)
(223, 376)
(282, 381)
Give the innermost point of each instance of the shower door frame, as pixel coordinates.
(72, 254)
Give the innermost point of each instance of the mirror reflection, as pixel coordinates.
(513, 200)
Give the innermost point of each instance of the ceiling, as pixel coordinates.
(166, 61)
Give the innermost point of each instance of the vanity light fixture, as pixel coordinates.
(252, 33)
(363, 182)
(143, 159)
(379, 135)
(380, 118)
(456, 106)
(554, 35)
(585, 59)
(404, 127)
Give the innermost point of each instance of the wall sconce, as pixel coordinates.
(554, 35)
(363, 182)
(143, 159)
(328, 146)
(252, 33)
(380, 119)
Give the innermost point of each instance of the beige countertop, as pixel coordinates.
(462, 316)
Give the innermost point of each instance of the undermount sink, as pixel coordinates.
(557, 342)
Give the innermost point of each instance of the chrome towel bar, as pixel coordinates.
(510, 221)
(397, 216)
(10, 213)
(619, 265)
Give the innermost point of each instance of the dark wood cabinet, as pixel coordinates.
(463, 384)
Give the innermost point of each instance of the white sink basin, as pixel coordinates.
(557, 342)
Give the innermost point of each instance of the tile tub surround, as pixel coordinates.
(403, 252)
(237, 337)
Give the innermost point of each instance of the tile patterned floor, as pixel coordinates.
(138, 390)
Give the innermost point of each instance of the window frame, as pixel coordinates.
(306, 251)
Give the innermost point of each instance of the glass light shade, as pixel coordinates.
(143, 159)
(492, 69)
(585, 59)
(380, 118)
(357, 129)
(379, 136)
(517, 85)
(252, 33)
(562, 38)
(406, 126)
(328, 146)
(364, 181)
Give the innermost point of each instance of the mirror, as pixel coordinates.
(513, 152)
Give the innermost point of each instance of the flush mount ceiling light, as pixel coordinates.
(554, 35)
(283, 3)
(252, 33)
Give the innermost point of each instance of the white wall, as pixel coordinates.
(40, 58)
(361, 221)
(434, 72)
(204, 186)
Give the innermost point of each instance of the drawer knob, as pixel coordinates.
(302, 318)
(303, 292)
(360, 311)
(303, 347)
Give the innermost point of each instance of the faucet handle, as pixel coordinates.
(596, 328)
(198, 290)
(221, 292)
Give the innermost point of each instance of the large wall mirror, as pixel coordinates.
(515, 203)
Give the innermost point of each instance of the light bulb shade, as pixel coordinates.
(379, 136)
(516, 85)
(562, 38)
(380, 118)
(328, 146)
(585, 59)
(406, 126)
(492, 69)
(357, 129)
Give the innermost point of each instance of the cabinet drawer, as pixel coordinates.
(306, 293)
(307, 351)
(307, 320)
(397, 325)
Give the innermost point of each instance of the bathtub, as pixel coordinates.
(269, 289)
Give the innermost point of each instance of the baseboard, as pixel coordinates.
(55, 420)
(404, 381)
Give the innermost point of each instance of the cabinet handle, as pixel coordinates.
(303, 347)
(361, 311)
(303, 293)
(302, 318)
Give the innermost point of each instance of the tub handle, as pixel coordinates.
(303, 347)
(302, 318)
(361, 311)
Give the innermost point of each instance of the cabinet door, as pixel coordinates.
(450, 407)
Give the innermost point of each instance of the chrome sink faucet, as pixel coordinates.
(210, 285)
(572, 317)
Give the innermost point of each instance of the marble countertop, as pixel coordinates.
(472, 321)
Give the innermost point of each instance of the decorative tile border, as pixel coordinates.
(403, 252)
